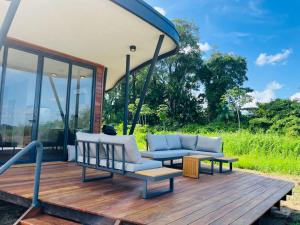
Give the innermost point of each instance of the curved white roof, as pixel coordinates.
(99, 31)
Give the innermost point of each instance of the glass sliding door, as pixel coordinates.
(17, 108)
(80, 100)
(42, 98)
(51, 129)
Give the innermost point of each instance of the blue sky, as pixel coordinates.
(266, 32)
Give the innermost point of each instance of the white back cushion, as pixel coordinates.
(81, 136)
(188, 141)
(157, 142)
(173, 141)
(209, 144)
(132, 153)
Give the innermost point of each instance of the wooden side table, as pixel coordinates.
(192, 165)
(229, 160)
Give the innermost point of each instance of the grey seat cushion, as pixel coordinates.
(165, 154)
(144, 164)
(209, 144)
(214, 154)
(173, 141)
(188, 141)
(132, 154)
(81, 136)
(157, 142)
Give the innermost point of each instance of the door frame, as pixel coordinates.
(42, 54)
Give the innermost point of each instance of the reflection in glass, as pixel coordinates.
(80, 98)
(18, 101)
(53, 107)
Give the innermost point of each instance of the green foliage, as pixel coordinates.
(260, 124)
(289, 125)
(279, 116)
(235, 99)
(222, 72)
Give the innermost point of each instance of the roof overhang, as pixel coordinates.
(99, 31)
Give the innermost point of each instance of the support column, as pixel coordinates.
(148, 78)
(98, 100)
(125, 120)
(9, 17)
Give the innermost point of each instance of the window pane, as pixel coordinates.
(1, 61)
(18, 99)
(80, 98)
(53, 107)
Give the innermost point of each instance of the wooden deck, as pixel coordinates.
(238, 198)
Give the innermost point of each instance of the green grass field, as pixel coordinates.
(271, 153)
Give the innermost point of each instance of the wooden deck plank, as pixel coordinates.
(191, 201)
(220, 199)
(236, 204)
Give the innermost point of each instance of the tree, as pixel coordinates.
(179, 76)
(236, 98)
(162, 113)
(221, 73)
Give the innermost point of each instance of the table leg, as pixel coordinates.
(212, 167)
(230, 167)
(199, 171)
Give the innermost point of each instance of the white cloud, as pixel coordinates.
(264, 59)
(295, 97)
(265, 96)
(160, 10)
(204, 47)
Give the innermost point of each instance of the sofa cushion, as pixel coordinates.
(188, 141)
(81, 136)
(165, 154)
(214, 154)
(132, 153)
(144, 164)
(157, 142)
(209, 144)
(173, 141)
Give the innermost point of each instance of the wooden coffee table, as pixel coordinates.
(192, 165)
(222, 160)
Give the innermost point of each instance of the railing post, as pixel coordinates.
(37, 175)
(35, 145)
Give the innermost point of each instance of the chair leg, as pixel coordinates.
(220, 167)
(85, 179)
(146, 194)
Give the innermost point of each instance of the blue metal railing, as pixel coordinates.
(35, 145)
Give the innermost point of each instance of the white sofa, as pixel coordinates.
(133, 159)
(120, 155)
(175, 146)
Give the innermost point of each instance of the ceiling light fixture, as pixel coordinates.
(132, 48)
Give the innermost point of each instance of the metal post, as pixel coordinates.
(37, 174)
(9, 17)
(125, 120)
(149, 75)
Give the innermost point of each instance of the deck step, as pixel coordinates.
(44, 219)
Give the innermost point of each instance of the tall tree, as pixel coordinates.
(180, 72)
(235, 99)
(221, 73)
